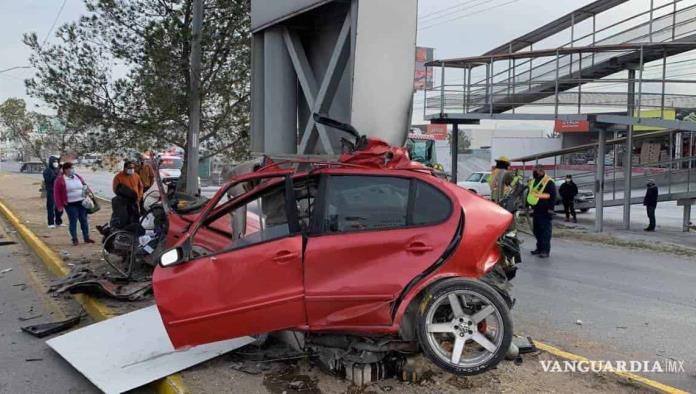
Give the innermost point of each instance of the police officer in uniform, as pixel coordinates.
(542, 198)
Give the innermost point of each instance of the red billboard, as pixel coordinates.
(572, 126)
(439, 131)
(424, 75)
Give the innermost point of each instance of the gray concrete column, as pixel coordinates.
(280, 95)
(257, 91)
(628, 154)
(599, 181)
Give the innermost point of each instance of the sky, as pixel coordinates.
(455, 28)
(458, 37)
(23, 16)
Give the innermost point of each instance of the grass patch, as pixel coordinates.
(606, 239)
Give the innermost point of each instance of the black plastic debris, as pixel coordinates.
(46, 329)
(525, 344)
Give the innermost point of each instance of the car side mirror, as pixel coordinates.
(171, 257)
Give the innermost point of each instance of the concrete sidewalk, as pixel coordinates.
(665, 238)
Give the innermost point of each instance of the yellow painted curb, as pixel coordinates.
(663, 388)
(172, 384)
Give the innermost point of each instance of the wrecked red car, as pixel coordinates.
(365, 256)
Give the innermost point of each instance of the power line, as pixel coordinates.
(55, 21)
(14, 68)
(468, 15)
(447, 10)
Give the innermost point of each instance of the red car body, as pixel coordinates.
(359, 280)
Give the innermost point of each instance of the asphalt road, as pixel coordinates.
(27, 364)
(632, 305)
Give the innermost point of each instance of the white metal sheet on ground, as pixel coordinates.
(132, 350)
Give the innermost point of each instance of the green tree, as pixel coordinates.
(40, 135)
(122, 71)
(464, 141)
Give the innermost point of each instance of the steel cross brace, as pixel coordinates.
(319, 97)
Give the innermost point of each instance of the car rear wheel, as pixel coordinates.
(464, 326)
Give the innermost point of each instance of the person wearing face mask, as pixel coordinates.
(542, 198)
(129, 180)
(52, 171)
(146, 173)
(68, 191)
(568, 191)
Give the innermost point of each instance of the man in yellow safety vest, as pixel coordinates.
(542, 198)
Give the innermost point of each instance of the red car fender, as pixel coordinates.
(477, 251)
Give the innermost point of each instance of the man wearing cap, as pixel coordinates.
(542, 198)
(501, 179)
(650, 202)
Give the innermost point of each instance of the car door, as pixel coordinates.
(372, 235)
(251, 285)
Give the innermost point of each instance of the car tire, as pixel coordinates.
(473, 191)
(433, 319)
(584, 210)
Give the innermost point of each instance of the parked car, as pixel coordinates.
(170, 168)
(477, 183)
(90, 159)
(366, 257)
(32, 167)
(584, 200)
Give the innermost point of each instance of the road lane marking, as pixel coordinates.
(661, 387)
(172, 384)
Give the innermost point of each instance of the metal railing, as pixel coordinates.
(531, 81)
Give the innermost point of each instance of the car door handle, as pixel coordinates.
(419, 247)
(284, 256)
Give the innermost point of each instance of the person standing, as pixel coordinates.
(127, 184)
(542, 198)
(146, 173)
(650, 202)
(52, 171)
(500, 180)
(568, 191)
(129, 178)
(69, 191)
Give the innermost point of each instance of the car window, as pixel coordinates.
(365, 203)
(431, 206)
(475, 177)
(261, 219)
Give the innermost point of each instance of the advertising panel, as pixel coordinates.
(572, 126)
(424, 75)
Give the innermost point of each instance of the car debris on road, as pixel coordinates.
(46, 329)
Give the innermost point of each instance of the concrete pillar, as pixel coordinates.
(687, 216)
(599, 181)
(628, 158)
(257, 91)
(455, 151)
(280, 95)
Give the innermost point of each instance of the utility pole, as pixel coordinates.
(194, 101)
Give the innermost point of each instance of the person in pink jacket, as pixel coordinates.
(69, 191)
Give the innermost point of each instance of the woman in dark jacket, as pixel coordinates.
(52, 171)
